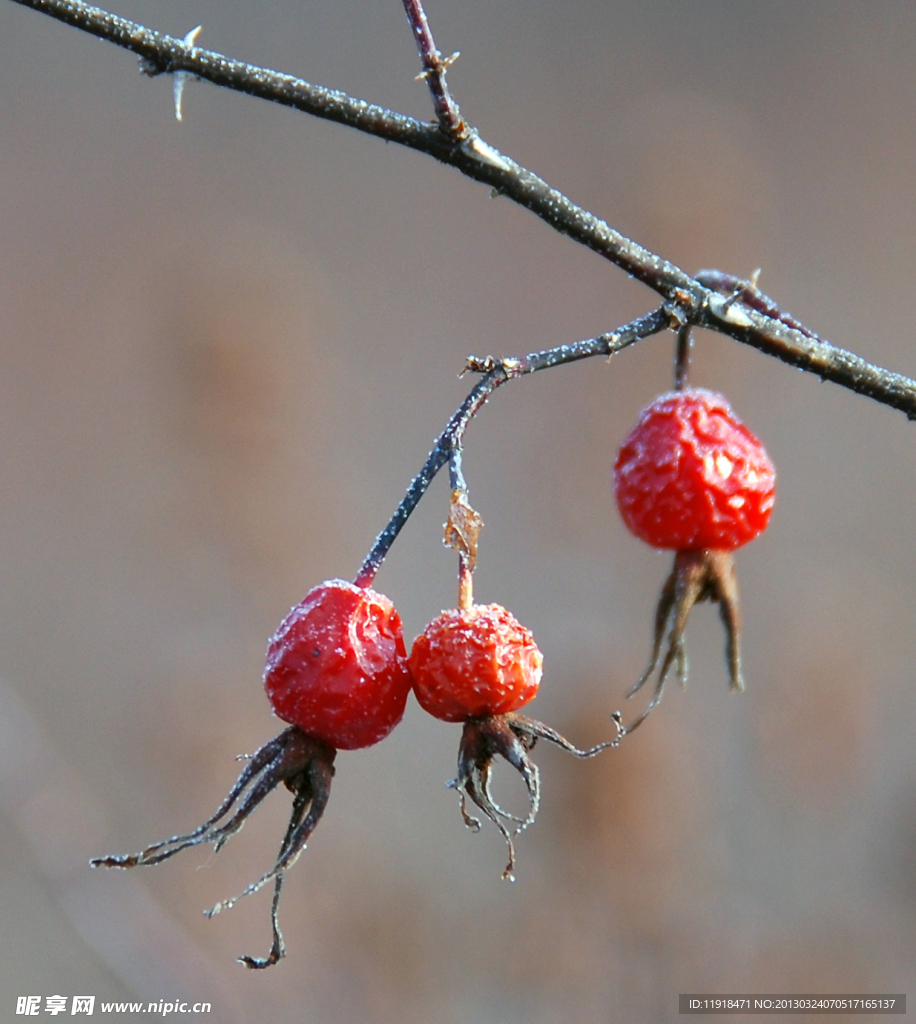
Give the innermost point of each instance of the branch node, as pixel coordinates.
(476, 364)
(441, 65)
(677, 314)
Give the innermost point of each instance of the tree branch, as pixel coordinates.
(163, 54)
(715, 302)
(808, 352)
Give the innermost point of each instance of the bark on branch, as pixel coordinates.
(736, 313)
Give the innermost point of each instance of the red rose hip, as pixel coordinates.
(690, 475)
(473, 663)
(337, 666)
(478, 665)
(337, 673)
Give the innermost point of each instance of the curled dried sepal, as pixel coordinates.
(511, 736)
(303, 764)
(707, 575)
(463, 528)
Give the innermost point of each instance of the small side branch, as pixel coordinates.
(434, 67)
(497, 372)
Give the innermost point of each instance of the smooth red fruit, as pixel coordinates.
(474, 663)
(337, 666)
(690, 475)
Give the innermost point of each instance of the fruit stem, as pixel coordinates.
(465, 584)
(682, 352)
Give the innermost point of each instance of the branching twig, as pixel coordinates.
(710, 302)
(495, 373)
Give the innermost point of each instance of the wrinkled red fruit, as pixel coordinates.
(690, 475)
(337, 666)
(473, 663)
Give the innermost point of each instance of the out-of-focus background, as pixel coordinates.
(226, 346)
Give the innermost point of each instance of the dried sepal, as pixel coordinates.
(303, 764)
(706, 575)
(463, 528)
(512, 737)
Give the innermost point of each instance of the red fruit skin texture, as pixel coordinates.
(337, 666)
(474, 663)
(690, 475)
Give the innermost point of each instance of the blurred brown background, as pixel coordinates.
(225, 348)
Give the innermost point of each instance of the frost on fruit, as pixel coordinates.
(691, 475)
(337, 666)
(474, 662)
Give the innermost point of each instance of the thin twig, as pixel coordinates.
(497, 372)
(434, 68)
